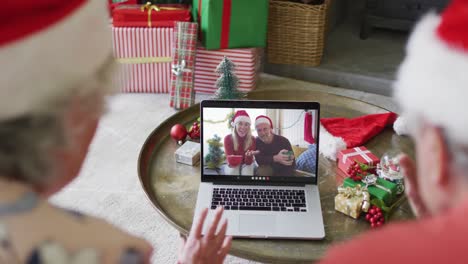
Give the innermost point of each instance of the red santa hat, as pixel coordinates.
(341, 133)
(47, 47)
(240, 115)
(434, 73)
(263, 119)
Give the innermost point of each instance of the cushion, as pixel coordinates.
(306, 161)
(298, 150)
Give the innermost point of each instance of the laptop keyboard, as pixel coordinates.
(259, 199)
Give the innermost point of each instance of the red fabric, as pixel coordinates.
(132, 16)
(308, 129)
(19, 19)
(226, 24)
(238, 114)
(229, 149)
(441, 239)
(266, 117)
(112, 6)
(357, 131)
(199, 19)
(453, 27)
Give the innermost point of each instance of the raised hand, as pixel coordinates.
(211, 248)
(411, 186)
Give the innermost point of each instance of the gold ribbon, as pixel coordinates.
(357, 191)
(150, 7)
(144, 60)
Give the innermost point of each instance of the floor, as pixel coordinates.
(350, 62)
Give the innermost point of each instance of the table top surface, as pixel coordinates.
(172, 187)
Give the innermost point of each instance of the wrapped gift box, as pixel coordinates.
(145, 55)
(352, 201)
(358, 154)
(231, 24)
(112, 4)
(188, 153)
(247, 61)
(185, 48)
(149, 15)
(383, 190)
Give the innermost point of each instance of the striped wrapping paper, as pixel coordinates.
(145, 55)
(247, 63)
(185, 43)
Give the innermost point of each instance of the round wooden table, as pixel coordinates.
(172, 187)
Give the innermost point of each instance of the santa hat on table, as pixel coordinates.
(47, 47)
(434, 73)
(240, 115)
(263, 119)
(341, 133)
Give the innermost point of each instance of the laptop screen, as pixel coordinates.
(259, 141)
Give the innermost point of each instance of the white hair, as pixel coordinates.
(26, 141)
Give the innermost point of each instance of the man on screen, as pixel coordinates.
(275, 157)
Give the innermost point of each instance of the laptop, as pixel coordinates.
(262, 196)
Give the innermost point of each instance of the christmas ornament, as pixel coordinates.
(228, 82)
(179, 133)
(357, 171)
(194, 131)
(375, 216)
(389, 169)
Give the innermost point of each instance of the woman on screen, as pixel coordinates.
(239, 146)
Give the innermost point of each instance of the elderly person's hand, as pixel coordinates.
(283, 158)
(411, 186)
(211, 248)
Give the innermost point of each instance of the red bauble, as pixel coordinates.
(178, 132)
(194, 132)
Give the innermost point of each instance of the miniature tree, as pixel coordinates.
(215, 156)
(228, 82)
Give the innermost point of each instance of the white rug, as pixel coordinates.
(108, 185)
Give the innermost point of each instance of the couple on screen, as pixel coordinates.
(272, 153)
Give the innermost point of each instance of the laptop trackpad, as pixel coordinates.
(257, 224)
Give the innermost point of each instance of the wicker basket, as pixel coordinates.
(296, 32)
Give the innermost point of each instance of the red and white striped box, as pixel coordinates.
(145, 55)
(247, 63)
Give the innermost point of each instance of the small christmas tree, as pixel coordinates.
(228, 82)
(215, 155)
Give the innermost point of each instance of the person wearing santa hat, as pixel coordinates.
(275, 156)
(431, 88)
(239, 146)
(56, 62)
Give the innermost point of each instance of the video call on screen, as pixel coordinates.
(259, 143)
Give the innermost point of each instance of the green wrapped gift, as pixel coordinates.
(380, 189)
(231, 23)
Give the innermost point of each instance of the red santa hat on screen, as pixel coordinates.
(341, 133)
(240, 115)
(432, 81)
(46, 47)
(263, 119)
